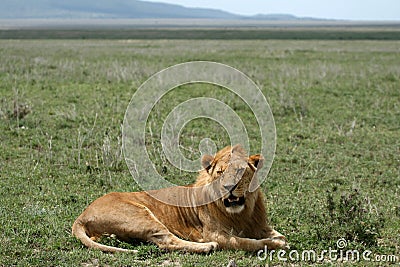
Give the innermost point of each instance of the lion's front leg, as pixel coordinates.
(249, 244)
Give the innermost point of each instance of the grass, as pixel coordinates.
(336, 172)
(204, 33)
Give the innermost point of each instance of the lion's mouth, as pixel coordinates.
(233, 201)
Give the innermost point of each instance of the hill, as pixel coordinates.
(74, 9)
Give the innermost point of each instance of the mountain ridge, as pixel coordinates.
(117, 9)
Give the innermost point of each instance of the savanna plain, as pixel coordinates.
(336, 173)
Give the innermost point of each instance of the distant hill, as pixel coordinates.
(56, 9)
(115, 9)
(285, 17)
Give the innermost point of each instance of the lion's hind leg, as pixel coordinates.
(167, 240)
(159, 234)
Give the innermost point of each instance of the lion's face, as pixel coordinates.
(234, 172)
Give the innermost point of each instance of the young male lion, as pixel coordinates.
(235, 220)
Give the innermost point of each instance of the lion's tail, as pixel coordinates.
(79, 231)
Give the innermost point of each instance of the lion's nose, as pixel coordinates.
(229, 187)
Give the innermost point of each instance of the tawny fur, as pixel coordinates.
(199, 229)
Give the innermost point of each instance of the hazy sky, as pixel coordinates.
(334, 9)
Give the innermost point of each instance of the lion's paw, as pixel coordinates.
(209, 247)
(213, 246)
(277, 242)
(281, 242)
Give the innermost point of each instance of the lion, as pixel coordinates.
(235, 220)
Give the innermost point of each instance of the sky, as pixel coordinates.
(330, 9)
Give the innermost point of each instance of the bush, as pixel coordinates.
(352, 217)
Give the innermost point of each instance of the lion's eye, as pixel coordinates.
(220, 172)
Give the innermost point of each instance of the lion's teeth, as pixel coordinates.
(233, 199)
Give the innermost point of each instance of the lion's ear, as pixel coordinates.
(206, 161)
(256, 161)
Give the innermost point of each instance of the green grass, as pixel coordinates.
(336, 172)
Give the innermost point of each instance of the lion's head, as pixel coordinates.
(231, 171)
